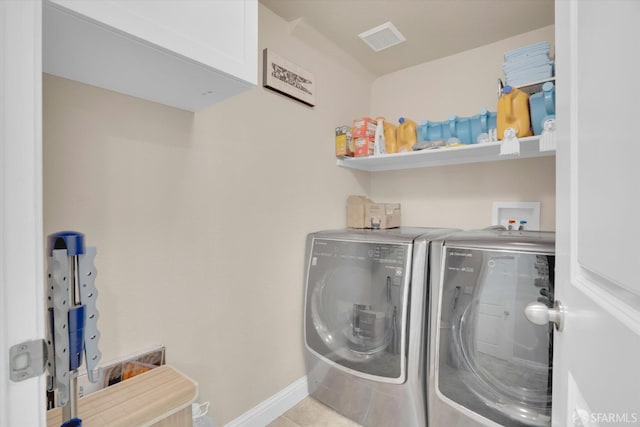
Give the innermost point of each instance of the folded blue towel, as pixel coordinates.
(517, 79)
(533, 69)
(538, 57)
(542, 47)
(508, 70)
(528, 64)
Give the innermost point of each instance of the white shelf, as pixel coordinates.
(533, 87)
(474, 153)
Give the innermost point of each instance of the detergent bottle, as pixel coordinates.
(407, 135)
(513, 112)
(379, 140)
(390, 139)
(542, 106)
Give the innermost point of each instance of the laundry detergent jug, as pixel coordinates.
(390, 137)
(407, 135)
(543, 107)
(468, 129)
(433, 131)
(513, 112)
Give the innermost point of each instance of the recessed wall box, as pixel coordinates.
(516, 212)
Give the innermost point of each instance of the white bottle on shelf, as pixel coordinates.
(378, 140)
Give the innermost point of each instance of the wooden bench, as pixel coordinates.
(161, 397)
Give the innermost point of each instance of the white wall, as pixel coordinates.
(459, 196)
(200, 219)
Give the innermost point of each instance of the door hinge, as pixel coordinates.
(27, 360)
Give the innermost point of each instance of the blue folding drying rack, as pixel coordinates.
(73, 318)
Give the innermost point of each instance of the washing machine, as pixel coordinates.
(364, 313)
(489, 365)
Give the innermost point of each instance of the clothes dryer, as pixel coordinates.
(489, 365)
(365, 299)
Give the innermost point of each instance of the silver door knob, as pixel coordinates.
(540, 314)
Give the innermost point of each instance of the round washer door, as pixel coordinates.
(349, 321)
(495, 361)
(355, 302)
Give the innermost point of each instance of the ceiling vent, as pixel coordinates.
(382, 37)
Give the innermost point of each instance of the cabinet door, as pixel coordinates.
(186, 54)
(219, 33)
(596, 373)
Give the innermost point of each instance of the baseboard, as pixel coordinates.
(267, 411)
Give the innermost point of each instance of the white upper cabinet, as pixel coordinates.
(187, 54)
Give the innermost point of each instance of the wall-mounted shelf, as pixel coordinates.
(475, 153)
(533, 87)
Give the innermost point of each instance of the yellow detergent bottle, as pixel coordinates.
(390, 140)
(407, 135)
(513, 112)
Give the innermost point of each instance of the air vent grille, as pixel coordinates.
(382, 37)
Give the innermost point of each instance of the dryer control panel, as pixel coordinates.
(390, 258)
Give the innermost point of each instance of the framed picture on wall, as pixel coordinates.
(287, 78)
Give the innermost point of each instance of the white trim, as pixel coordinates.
(21, 247)
(270, 409)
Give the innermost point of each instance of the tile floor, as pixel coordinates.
(311, 413)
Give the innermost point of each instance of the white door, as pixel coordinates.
(597, 356)
(21, 268)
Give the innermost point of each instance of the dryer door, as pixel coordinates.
(355, 308)
(492, 360)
